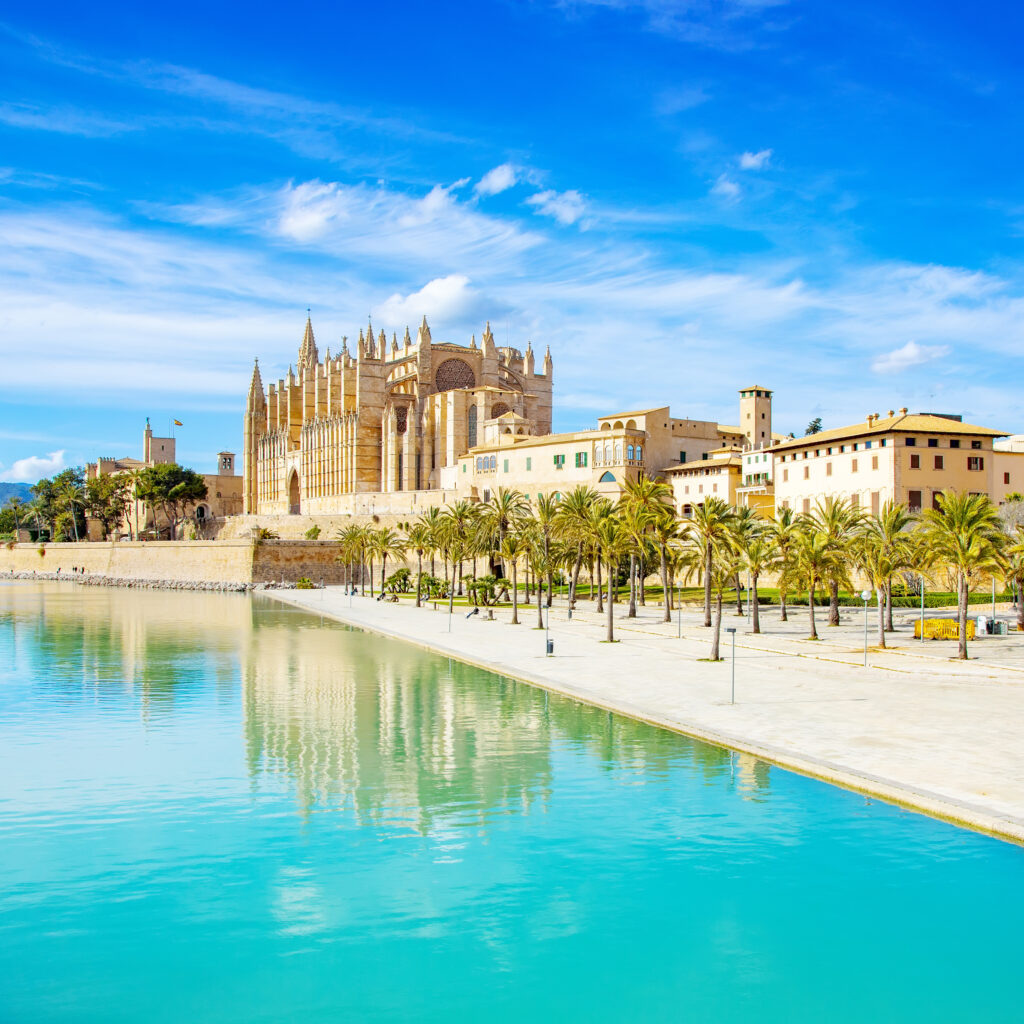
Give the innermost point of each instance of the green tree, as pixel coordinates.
(107, 500)
(573, 526)
(174, 491)
(839, 521)
(814, 427)
(814, 561)
(712, 522)
(964, 536)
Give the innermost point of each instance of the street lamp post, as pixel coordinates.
(732, 630)
(679, 611)
(865, 596)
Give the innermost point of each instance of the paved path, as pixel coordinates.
(914, 728)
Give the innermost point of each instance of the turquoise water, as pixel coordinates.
(214, 808)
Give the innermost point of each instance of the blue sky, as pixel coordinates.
(680, 197)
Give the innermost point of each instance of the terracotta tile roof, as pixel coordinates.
(912, 423)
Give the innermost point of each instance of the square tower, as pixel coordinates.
(756, 416)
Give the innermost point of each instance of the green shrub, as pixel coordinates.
(313, 533)
(399, 582)
(304, 583)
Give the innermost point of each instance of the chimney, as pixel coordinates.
(903, 411)
(892, 412)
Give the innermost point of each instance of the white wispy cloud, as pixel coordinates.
(725, 24)
(684, 97)
(497, 179)
(907, 356)
(33, 468)
(726, 188)
(451, 301)
(566, 207)
(64, 120)
(755, 161)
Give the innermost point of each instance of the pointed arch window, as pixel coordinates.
(471, 426)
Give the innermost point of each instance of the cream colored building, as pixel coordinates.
(385, 419)
(625, 444)
(1008, 468)
(909, 458)
(718, 475)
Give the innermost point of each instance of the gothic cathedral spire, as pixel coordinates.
(308, 355)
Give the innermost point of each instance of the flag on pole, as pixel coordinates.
(178, 423)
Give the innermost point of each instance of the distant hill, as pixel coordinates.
(23, 491)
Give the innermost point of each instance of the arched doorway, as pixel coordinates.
(294, 499)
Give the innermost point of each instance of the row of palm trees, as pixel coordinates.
(820, 553)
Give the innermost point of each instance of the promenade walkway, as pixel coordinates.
(914, 728)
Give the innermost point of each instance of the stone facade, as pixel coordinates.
(385, 419)
(223, 489)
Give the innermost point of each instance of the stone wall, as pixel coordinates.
(222, 561)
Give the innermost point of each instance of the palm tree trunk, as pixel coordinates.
(707, 584)
(419, 576)
(515, 597)
(739, 595)
(888, 606)
(782, 605)
(810, 608)
(600, 592)
(371, 576)
(574, 583)
(755, 607)
(833, 603)
(962, 614)
(715, 656)
(451, 590)
(881, 615)
(665, 590)
(632, 586)
(610, 622)
(1020, 603)
(641, 581)
(540, 604)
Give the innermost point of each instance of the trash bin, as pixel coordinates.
(551, 646)
(982, 624)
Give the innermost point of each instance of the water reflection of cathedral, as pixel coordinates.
(398, 735)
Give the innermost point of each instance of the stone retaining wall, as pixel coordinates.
(190, 562)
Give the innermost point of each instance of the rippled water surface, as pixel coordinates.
(215, 808)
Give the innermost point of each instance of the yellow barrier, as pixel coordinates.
(942, 629)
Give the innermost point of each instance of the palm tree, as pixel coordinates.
(784, 529)
(890, 527)
(746, 524)
(497, 516)
(16, 505)
(572, 524)
(459, 519)
(650, 500)
(839, 520)
(668, 532)
(758, 555)
(136, 482)
(634, 520)
(383, 543)
(1015, 571)
(712, 520)
(544, 516)
(872, 557)
(814, 561)
(964, 535)
(417, 537)
(612, 540)
(725, 564)
(72, 498)
(512, 549)
(434, 523)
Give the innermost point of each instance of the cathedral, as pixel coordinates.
(389, 417)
